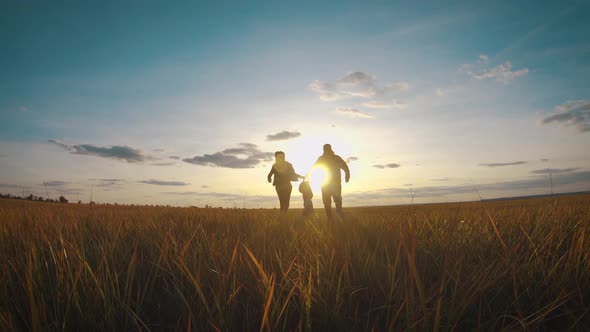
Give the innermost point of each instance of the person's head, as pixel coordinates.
(279, 156)
(328, 149)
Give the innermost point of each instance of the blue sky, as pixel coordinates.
(451, 93)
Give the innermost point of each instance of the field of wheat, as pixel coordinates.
(511, 265)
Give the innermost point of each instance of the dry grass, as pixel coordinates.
(500, 265)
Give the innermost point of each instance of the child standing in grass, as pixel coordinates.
(305, 190)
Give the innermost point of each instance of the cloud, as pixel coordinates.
(536, 182)
(204, 186)
(381, 104)
(111, 184)
(355, 84)
(55, 183)
(117, 152)
(10, 186)
(440, 179)
(283, 135)
(571, 113)
(63, 187)
(398, 86)
(502, 73)
(544, 160)
(246, 156)
(227, 197)
(351, 159)
(164, 163)
(439, 92)
(164, 183)
(354, 113)
(174, 157)
(554, 170)
(2, 155)
(513, 163)
(392, 165)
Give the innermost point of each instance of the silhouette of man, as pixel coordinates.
(332, 186)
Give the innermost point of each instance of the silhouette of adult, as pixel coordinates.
(332, 185)
(283, 173)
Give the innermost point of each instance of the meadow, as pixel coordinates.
(506, 265)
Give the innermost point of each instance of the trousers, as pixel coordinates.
(284, 193)
(332, 191)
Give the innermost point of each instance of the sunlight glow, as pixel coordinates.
(304, 151)
(317, 179)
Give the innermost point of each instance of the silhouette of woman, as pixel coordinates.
(283, 175)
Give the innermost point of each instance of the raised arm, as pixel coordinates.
(315, 165)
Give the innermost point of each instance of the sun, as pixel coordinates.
(317, 178)
(304, 151)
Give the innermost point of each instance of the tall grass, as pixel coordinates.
(503, 265)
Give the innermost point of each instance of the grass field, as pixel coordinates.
(511, 265)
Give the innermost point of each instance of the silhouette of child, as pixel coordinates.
(305, 190)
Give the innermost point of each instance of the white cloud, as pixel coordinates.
(571, 113)
(398, 86)
(354, 113)
(502, 73)
(355, 84)
(380, 104)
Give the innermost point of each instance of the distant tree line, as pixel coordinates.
(32, 197)
(64, 200)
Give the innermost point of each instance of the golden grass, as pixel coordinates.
(512, 265)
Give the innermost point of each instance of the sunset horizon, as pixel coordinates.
(186, 104)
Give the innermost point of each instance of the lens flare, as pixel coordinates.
(317, 179)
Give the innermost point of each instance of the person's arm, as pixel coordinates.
(344, 166)
(270, 174)
(315, 165)
(292, 171)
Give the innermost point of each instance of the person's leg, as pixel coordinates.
(284, 194)
(337, 194)
(307, 207)
(327, 199)
(288, 197)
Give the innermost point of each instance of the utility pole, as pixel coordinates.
(551, 182)
(46, 191)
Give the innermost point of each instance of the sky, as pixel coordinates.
(184, 103)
